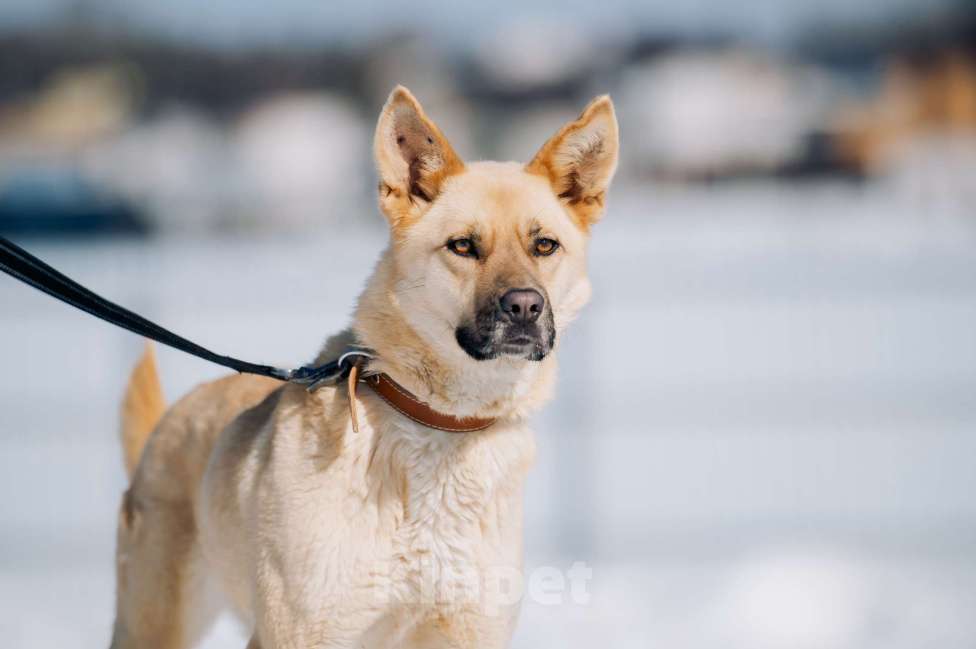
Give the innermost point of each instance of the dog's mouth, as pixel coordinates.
(490, 335)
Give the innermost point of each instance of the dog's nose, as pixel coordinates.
(522, 304)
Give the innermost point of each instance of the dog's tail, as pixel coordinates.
(142, 407)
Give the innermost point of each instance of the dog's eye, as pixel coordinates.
(545, 247)
(462, 247)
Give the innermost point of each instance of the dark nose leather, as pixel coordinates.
(522, 304)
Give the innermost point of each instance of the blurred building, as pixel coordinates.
(917, 133)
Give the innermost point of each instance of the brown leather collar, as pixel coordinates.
(413, 408)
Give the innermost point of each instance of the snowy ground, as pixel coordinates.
(800, 473)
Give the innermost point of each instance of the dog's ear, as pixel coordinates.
(580, 159)
(413, 158)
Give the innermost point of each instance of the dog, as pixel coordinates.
(260, 496)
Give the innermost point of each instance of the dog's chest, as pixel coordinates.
(456, 526)
(456, 514)
(409, 522)
(448, 492)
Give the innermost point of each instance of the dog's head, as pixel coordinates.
(490, 258)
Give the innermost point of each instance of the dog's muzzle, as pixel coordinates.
(518, 323)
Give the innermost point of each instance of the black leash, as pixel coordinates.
(17, 262)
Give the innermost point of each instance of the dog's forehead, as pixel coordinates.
(500, 193)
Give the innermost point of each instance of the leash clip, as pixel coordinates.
(348, 366)
(314, 377)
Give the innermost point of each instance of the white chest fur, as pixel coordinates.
(404, 522)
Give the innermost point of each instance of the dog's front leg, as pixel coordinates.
(465, 630)
(307, 641)
(306, 626)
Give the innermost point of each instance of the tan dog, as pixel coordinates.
(258, 495)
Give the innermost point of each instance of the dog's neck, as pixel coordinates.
(439, 371)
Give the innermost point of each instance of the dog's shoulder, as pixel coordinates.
(288, 423)
(178, 450)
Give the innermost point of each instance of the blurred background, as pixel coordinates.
(765, 434)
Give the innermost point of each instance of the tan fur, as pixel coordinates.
(259, 496)
(142, 406)
(413, 157)
(580, 160)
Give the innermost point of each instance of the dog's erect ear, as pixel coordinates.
(580, 160)
(413, 158)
